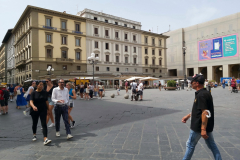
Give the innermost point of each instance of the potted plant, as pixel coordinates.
(171, 85)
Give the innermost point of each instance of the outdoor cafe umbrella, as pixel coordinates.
(133, 78)
(149, 79)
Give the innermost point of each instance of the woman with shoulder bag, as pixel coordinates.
(39, 104)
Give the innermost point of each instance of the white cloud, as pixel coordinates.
(198, 15)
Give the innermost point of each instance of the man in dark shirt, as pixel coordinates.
(202, 119)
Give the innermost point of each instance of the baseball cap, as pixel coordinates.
(198, 78)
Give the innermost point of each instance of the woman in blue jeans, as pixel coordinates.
(223, 84)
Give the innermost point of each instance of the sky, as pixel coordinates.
(156, 15)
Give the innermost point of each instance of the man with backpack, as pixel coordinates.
(6, 98)
(133, 89)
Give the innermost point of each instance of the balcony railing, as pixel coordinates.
(96, 35)
(78, 32)
(117, 63)
(134, 41)
(117, 38)
(65, 60)
(126, 40)
(49, 27)
(107, 37)
(107, 62)
(20, 63)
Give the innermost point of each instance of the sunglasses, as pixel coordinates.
(47, 81)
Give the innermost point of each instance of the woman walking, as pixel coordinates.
(49, 89)
(21, 101)
(72, 96)
(86, 90)
(100, 90)
(39, 104)
(81, 90)
(223, 84)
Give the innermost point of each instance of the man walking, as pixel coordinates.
(2, 102)
(140, 89)
(133, 89)
(202, 119)
(29, 92)
(60, 97)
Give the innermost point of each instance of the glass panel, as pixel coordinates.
(64, 54)
(63, 25)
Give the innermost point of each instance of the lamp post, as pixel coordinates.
(184, 65)
(93, 60)
(50, 70)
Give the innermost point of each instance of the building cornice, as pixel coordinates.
(29, 9)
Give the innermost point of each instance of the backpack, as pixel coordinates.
(6, 94)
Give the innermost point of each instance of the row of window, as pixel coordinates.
(154, 70)
(24, 42)
(153, 41)
(116, 23)
(64, 67)
(64, 54)
(153, 62)
(116, 34)
(23, 28)
(116, 47)
(64, 39)
(153, 51)
(63, 24)
(117, 58)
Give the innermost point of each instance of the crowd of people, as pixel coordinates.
(39, 102)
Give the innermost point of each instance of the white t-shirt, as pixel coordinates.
(28, 91)
(140, 86)
(133, 85)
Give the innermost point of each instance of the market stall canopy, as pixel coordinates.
(133, 78)
(149, 79)
(86, 77)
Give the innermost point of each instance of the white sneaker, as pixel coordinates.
(58, 134)
(34, 138)
(69, 136)
(51, 125)
(25, 113)
(47, 141)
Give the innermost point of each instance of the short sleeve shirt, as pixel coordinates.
(39, 100)
(203, 100)
(1, 95)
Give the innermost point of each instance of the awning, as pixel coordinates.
(149, 79)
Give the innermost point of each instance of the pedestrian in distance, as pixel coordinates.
(223, 84)
(11, 90)
(86, 90)
(6, 98)
(202, 120)
(49, 89)
(91, 89)
(21, 101)
(238, 83)
(118, 90)
(39, 106)
(140, 89)
(72, 96)
(159, 85)
(60, 97)
(229, 84)
(126, 86)
(2, 100)
(95, 90)
(28, 94)
(133, 89)
(100, 90)
(81, 90)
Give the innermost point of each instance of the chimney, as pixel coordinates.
(149, 30)
(64, 11)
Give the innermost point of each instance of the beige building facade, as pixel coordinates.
(212, 49)
(2, 64)
(48, 38)
(154, 54)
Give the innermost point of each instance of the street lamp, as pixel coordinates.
(93, 60)
(50, 69)
(184, 65)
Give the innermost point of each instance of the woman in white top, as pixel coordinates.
(100, 89)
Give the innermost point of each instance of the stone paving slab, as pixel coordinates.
(116, 128)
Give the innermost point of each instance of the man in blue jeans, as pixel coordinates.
(202, 119)
(60, 96)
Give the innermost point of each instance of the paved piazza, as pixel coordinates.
(116, 128)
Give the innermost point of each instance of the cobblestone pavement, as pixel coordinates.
(116, 128)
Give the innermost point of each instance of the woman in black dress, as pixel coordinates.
(39, 106)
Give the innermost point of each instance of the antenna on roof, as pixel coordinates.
(169, 27)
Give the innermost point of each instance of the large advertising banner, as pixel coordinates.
(220, 47)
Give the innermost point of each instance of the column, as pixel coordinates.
(209, 72)
(196, 70)
(226, 70)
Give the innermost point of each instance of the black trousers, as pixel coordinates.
(43, 117)
(62, 110)
(91, 93)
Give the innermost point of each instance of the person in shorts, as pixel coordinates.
(81, 90)
(6, 98)
(11, 92)
(140, 90)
